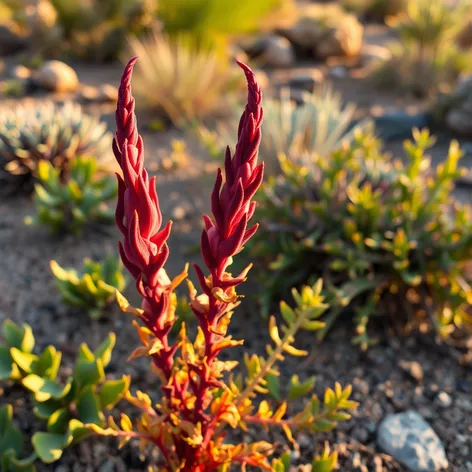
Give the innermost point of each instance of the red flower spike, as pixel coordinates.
(144, 250)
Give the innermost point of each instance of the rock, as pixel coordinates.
(103, 94)
(324, 32)
(306, 81)
(20, 72)
(272, 51)
(411, 441)
(413, 369)
(11, 41)
(443, 400)
(57, 76)
(41, 21)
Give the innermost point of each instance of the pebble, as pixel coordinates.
(413, 369)
(444, 400)
(412, 442)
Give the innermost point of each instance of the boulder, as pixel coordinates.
(56, 76)
(412, 442)
(326, 32)
(271, 51)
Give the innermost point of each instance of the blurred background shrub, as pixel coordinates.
(386, 236)
(93, 288)
(427, 56)
(67, 206)
(44, 131)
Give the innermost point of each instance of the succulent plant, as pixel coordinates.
(387, 236)
(70, 205)
(94, 287)
(68, 408)
(32, 133)
(203, 89)
(12, 445)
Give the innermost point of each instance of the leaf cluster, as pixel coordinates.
(46, 131)
(387, 236)
(235, 401)
(427, 45)
(68, 407)
(69, 205)
(94, 287)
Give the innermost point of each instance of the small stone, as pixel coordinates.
(307, 81)
(444, 400)
(20, 72)
(103, 94)
(413, 369)
(108, 466)
(276, 52)
(411, 441)
(62, 468)
(57, 76)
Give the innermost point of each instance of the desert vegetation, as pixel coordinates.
(235, 235)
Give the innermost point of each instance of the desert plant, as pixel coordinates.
(318, 125)
(426, 57)
(97, 29)
(198, 402)
(94, 287)
(68, 408)
(12, 445)
(387, 237)
(46, 132)
(70, 205)
(192, 80)
(210, 21)
(378, 10)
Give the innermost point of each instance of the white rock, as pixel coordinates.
(411, 441)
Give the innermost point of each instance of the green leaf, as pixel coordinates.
(58, 421)
(89, 373)
(49, 446)
(88, 406)
(273, 386)
(287, 313)
(20, 337)
(112, 391)
(6, 363)
(45, 389)
(10, 437)
(105, 349)
(49, 363)
(26, 362)
(297, 389)
(44, 410)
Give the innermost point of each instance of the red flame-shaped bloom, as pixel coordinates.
(144, 250)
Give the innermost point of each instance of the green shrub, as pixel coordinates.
(318, 125)
(97, 29)
(80, 200)
(66, 407)
(426, 58)
(192, 80)
(12, 445)
(46, 132)
(213, 21)
(377, 10)
(94, 287)
(386, 236)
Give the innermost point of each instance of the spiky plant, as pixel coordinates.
(46, 131)
(426, 57)
(315, 127)
(191, 79)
